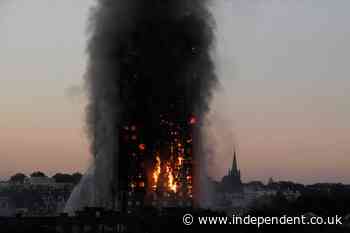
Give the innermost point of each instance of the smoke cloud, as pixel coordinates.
(146, 58)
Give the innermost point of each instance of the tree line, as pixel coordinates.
(19, 178)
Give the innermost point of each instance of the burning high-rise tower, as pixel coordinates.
(150, 79)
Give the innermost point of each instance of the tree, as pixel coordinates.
(62, 178)
(76, 177)
(67, 178)
(38, 174)
(18, 178)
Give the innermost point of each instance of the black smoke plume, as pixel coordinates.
(146, 58)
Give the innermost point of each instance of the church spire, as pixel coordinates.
(234, 168)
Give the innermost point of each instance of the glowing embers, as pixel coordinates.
(161, 168)
(142, 147)
(193, 120)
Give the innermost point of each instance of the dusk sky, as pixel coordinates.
(283, 100)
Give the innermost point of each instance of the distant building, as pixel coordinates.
(4, 184)
(232, 183)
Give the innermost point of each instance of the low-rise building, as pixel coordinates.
(7, 207)
(41, 180)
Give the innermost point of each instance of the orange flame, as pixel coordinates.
(156, 172)
(171, 181)
(180, 160)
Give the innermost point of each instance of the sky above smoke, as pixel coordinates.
(283, 99)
